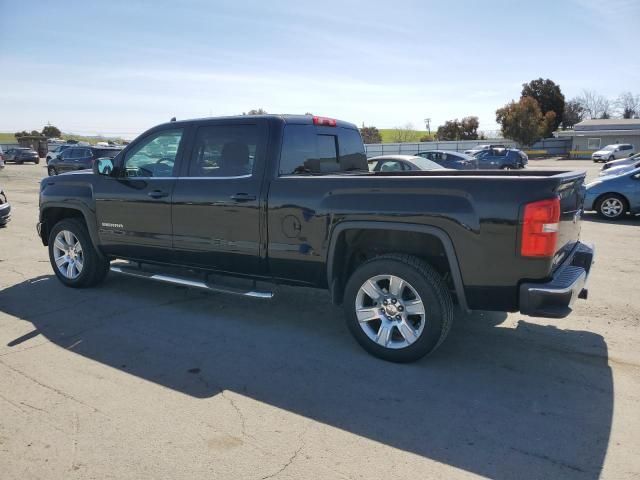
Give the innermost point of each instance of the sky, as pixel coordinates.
(116, 67)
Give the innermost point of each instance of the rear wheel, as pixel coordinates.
(398, 307)
(73, 257)
(611, 206)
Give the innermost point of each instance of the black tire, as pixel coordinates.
(436, 298)
(52, 171)
(611, 159)
(611, 198)
(36, 162)
(95, 267)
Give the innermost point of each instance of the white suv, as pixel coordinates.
(613, 152)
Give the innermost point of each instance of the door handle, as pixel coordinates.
(243, 197)
(157, 194)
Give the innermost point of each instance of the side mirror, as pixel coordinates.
(103, 166)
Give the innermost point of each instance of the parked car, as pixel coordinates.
(401, 163)
(612, 152)
(21, 155)
(289, 200)
(1, 158)
(5, 208)
(79, 158)
(448, 159)
(620, 169)
(502, 159)
(55, 151)
(479, 148)
(614, 195)
(623, 161)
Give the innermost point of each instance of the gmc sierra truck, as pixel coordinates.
(242, 204)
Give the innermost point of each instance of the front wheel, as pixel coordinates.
(37, 161)
(398, 307)
(611, 206)
(73, 257)
(52, 171)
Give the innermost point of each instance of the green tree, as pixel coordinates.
(50, 131)
(465, 129)
(370, 135)
(259, 111)
(549, 98)
(573, 113)
(23, 133)
(523, 121)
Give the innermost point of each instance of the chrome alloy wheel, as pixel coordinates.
(390, 311)
(67, 253)
(611, 207)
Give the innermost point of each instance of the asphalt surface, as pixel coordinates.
(139, 380)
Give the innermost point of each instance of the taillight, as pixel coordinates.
(324, 121)
(540, 228)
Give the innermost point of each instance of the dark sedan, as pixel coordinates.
(401, 163)
(21, 155)
(448, 159)
(79, 158)
(501, 158)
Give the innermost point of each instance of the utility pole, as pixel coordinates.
(427, 123)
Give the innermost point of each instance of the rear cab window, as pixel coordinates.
(307, 149)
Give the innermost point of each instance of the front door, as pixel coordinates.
(217, 220)
(133, 207)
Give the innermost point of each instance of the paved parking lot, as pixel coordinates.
(145, 381)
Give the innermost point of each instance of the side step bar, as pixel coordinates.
(186, 282)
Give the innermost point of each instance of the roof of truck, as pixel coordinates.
(286, 118)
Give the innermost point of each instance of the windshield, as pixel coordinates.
(608, 148)
(424, 164)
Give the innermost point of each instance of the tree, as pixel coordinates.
(370, 135)
(465, 129)
(628, 104)
(259, 111)
(50, 131)
(23, 133)
(594, 104)
(549, 98)
(573, 113)
(523, 121)
(403, 134)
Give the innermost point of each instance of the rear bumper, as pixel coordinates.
(554, 299)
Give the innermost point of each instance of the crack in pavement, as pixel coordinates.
(293, 457)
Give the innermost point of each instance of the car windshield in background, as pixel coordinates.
(608, 148)
(424, 164)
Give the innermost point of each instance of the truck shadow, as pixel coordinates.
(527, 402)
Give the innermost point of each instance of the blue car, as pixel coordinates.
(613, 196)
(501, 158)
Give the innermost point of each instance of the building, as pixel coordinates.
(591, 135)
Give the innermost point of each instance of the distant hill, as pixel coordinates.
(388, 135)
(7, 137)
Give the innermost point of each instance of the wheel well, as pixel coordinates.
(53, 215)
(354, 247)
(600, 197)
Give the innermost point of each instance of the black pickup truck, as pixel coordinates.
(241, 204)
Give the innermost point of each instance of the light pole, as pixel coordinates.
(427, 123)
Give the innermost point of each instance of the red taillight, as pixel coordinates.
(324, 121)
(540, 228)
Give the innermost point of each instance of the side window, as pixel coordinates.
(391, 166)
(154, 156)
(225, 151)
(304, 151)
(77, 153)
(351, 148)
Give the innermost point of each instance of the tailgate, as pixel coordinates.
(571, 191)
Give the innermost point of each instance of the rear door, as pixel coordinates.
(217, 202)
(133, 207)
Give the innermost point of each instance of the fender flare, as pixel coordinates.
(88, 215)
(440, 234)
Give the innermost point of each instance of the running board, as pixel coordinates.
(186, 282)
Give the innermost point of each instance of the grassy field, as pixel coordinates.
(6, 137)
(389, 134)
